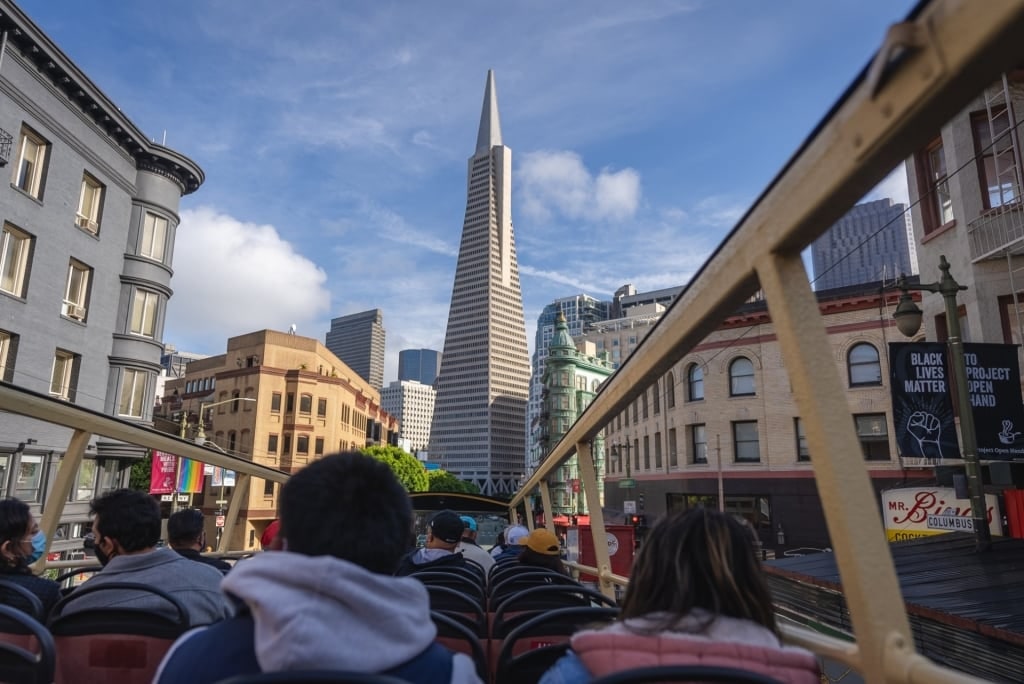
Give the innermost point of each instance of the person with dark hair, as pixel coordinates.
(696, 596)
(125, 532)
(326, 599)
(443, 536)
(186, 535)
(541, 549)
(21, 544)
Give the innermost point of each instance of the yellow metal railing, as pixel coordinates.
(928, 68)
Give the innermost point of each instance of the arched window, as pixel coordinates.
(232, 441)
(643, 401)
(657, 397)
(670, 391)
(863, 365)
(235, 402)
(741, 377)
(695, 382)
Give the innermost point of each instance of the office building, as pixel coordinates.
(420, 365)
(88, 222)
(872, 242)
(479, 426)
(358, 340)
(412, 404)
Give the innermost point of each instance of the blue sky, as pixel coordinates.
(334, 136)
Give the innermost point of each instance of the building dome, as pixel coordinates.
(562, 338)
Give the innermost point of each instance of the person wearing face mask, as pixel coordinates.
(125, 532)
(21, 544)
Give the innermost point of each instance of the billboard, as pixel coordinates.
(925, 511)
(922, 400)
(162, 472)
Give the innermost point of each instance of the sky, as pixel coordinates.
(335, 134)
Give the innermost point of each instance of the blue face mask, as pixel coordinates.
(38, 547)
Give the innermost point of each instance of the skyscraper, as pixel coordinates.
(412, 403)
(479, 425)
(873, 241)
(419, 365)
(358, 340)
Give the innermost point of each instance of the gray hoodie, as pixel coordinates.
(328, 613)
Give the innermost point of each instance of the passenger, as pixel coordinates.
(697, 596)
(468, 546)
(185, 534)
(327, 600)
(21, 544)
(125, 532)
(443, 535)
(541, 549)
(513, 548)
(499, 544)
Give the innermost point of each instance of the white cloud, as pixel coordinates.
(893, 186)
(718, 211)
(232, 277)
(558, 181)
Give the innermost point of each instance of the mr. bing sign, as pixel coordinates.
(924, 511)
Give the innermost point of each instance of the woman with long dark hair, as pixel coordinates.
(21, 544)
(696, 595)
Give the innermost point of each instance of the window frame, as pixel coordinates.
(983, 156)
(77, 308)
(8, 354)
(67, 361)
(149, 246)
(34, 182)
(305, 404)
(698, 447)
(735, 378)
(881, 439)
(851, 365)
(21, 255)
(803, 454)
(272, 444)
(137, 393)
(96, 192)
(694, 384)
(739, 445)
(933, 188)
(138, 316)
(670, 390)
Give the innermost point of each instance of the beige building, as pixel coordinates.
(280, 400)
(725, 416)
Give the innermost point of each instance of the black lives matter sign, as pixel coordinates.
(923, 394)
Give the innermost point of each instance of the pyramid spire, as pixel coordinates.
(490, 125)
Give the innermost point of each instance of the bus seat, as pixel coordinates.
(685, 673)
(462, 607)
(459, 638)
(31, 664)
(542, 630)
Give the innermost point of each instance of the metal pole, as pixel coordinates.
(948, 287)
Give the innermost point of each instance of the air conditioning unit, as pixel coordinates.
(74, 311)
(86, 223)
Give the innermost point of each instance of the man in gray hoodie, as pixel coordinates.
(327, 600)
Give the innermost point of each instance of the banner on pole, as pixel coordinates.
(190, 477)
(993, 384)
(162, 471)
(922, 406)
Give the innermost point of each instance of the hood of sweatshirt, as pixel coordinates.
(324, 612)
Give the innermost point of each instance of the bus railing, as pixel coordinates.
(927, 69)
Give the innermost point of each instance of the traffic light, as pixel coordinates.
(635, 520)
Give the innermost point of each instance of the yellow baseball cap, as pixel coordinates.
(542, 541)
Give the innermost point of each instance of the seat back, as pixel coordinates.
(312, 677)
(547, 597)
(13, 631)
(457, 637)
(528, 667)
(503, 571)
(113, 644)
(541, 631)
(462, 607)
(33, 662)
(685, 673)
(511, 584)
(460, 583)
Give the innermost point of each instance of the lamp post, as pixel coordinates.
(908, 320)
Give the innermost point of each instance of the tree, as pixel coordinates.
(139, 478)
(443, 481)
(409, 471)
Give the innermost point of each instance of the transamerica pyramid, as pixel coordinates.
(479, 426)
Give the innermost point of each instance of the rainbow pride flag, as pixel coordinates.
(190, 477)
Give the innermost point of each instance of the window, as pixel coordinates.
(302, 444)
(636, 415)
(647, 452)
(133, 392)
(64, 375)
(695, 382)
(85, 488)
(289, 404)
(286, 444)
(873, 433)
(268, 488)
(275, 402)
(305, 403)
(318, 446)
(670, 391)
(657, 450)
(673, 454)
(741, 377)
(8, 355)
(30, 170)
(802, 454)
(30, 478)
(143, 321)
(76, 291)
(996, 163)
(321, 407)
(862, 363)
(699, 443)
(234, 401)
(272, 444)
(933, 187)
(154, 237)
(643, 402)
(745, 441)
(90, 202)
(232, 441)
(656, 398)
(14, 256)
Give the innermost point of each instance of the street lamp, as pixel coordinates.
(908, 320)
